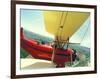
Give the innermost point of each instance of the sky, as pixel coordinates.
(82, 35)
(33, 20)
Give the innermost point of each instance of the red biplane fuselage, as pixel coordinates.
(41, 51)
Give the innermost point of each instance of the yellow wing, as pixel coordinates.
(69, 20)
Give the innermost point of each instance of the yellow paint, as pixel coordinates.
(70, 20)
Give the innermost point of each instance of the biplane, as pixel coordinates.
(62, 25)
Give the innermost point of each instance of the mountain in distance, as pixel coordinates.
(39, 38)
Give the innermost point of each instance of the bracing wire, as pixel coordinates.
(60, 23)
(66, 14)
(60, 28)
(57, 42)
(65, 19)
(85, 32)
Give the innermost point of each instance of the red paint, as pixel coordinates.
(44, 51)
(61, 56)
